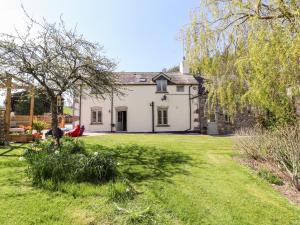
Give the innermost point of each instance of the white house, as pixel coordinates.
(152, 102)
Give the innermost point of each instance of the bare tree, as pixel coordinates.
(286, 151)
(59, 60)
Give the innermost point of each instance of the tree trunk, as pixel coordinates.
(296, 183)
(54, 121)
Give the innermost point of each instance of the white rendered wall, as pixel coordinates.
(139, 112)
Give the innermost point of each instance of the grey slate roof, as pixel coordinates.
(145, 78)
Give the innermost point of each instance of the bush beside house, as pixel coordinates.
(278, 148)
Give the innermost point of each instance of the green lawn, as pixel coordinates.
(185, 180)
(68, 110)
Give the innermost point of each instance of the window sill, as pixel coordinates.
(163, 125)
(96, 123)
(161, 92)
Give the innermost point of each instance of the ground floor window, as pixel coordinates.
(96, 115)
(227, 118)
(162, 116)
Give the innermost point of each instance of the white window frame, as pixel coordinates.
(162, 116)
(161, 85)
(178, 88)
(97, 112)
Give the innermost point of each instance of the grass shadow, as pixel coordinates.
(10, 148)
(138, 163)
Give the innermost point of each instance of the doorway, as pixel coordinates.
(212, 124)
(121, 120)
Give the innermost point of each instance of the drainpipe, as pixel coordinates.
(112, 112)
(190, 105)
(152, 106)
(73, 114)
(80, 101)
(199, 115)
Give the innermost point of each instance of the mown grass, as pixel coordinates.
(68, 110)
(173, 179)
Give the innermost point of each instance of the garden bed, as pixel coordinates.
(20, 138)
(286, 189)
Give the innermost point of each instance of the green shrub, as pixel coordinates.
(69, 163)
(270, 177)
(97, 167)
(72, 146)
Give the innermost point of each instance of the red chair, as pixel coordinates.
(73, 133)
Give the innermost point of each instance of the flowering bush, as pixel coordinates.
(37, 135)
(69, 163)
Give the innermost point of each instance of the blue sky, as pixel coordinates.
(140, 34)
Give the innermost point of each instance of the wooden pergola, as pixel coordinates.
(9, 86)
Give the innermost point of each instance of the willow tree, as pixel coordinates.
(57, 60)
(249, 51)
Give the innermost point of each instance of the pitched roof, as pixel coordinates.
(146, 78)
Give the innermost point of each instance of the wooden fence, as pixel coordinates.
(23, 120)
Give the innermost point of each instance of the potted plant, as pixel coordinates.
(38, 126)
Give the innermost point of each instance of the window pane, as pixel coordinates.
(161, 85)
(119, 116)
(94, 117)
(227, 118)
(99, 117)
(159, 117)
(165, 117)
(158, 85)
(164, 85)
(180, 88)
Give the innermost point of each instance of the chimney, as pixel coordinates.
(184, 67)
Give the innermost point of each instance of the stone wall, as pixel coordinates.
(225, 124)
(202, 115)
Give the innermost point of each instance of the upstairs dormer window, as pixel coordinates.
(161, 85)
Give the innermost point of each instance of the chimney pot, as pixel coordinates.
(184, 67)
